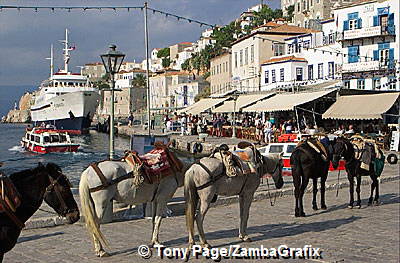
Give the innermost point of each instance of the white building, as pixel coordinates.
(369, 34)
(182, 57)
(308, 59)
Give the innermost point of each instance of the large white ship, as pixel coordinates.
(66, 100)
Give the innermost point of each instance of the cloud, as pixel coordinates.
(26, 35)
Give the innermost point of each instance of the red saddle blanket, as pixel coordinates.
(9, 195)
(156, 162)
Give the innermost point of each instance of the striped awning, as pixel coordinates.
(286, 101)
(361, 107)
(202, 106)
(241, 102)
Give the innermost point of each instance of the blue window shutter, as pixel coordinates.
(376, 55)
(376, 21)
(391, 58)
(359, 23)
(345, 25)
(391, 19)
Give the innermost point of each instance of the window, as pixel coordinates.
(384, 56)
(347, 84)
(266, 78)
(321, 71)
(299, 74)
(279, 49)
(273, 76)
(392, 83)
(310, 72)
(290, 49)
(331, 69)
(246, 56)
(361, 84)
(236, 60)
(37, 139)
(276, 149)
(353, 22)
(376, 83)
(353, 54)
(282, 74)
(252, 53)
(241, 58)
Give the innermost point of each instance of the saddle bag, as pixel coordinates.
(9, 195)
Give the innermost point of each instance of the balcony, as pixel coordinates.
(366, 66)
(367, 32)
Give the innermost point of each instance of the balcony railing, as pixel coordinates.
(367, 32)
(367, 66)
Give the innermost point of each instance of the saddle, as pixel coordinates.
(237, 163)
(153, 166)
(316, 145)
(10, 199)
(366, 151)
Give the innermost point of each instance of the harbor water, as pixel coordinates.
(93, 147)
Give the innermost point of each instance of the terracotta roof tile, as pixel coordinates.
(285, 28)
(282, 59)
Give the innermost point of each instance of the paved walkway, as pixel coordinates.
(369, 234)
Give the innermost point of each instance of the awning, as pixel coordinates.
(361, 107)
(286, 102)
(202, 106)
(241, 102)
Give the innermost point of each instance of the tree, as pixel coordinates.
(205, 93)
(166, 62)
(187, 65)
(290, 11)
(266, 14)
(139, 80)
(163, 53)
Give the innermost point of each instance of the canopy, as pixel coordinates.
(286, 102)
(241, 102)
(361, 107)
(202, 106)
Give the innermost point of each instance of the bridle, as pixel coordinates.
(53, 182)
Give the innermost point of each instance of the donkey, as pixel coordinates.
(96, 201)
(208, 178)
(32, 186)
(308, 164)
(344, 148)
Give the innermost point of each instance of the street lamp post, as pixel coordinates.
(112, 62)
(235, 96)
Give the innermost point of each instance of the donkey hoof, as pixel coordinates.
(206, 245)
(246, 239)
(350, 206)
(323, 207)
(155, 244)
(315, 208)
(369, 203)
(377, 202)
(358, 206)
(102, 254)
(302, 214)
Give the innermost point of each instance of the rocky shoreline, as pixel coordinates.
(22, 114)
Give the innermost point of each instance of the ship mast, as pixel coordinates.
(66, 51)
(51, 58)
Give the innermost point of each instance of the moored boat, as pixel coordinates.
(47, 140)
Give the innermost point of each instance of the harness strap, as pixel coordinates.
(114, 181)
(100, 174)
(213, 178)
(11, 215)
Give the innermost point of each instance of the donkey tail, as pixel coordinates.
(88, 209)
(191, 201)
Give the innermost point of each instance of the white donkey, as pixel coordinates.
(208, 178)
(97, 194)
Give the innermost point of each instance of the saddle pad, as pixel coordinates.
(156, 162)
(9, 194)
(247, 160)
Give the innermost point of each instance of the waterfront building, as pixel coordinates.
(369, 34)
(250, 51)
(128, 97)
(94, 71)
(307, 59)
(221, 73)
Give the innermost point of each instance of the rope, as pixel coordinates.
(269, 194)
(337, 187)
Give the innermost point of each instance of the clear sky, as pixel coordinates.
(26, 35)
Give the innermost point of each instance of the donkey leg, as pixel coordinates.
(204, 206)
(323, 181)
(160, 208)
(244, 203)
(1, 257)
(297, 183)
(99, 248)
(302, 191)
(104, 210)
(376, 200)
(315, 191)
(351, 190)
(358, 190)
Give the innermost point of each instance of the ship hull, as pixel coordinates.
(71, 112)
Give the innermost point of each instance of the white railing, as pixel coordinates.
(366, 32)
(362, 66)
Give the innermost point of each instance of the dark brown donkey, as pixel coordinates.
(23, 192)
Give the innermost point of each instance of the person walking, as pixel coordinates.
(268, 131)
(183, 124)
(152, 121)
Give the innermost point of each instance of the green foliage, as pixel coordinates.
(163, 53)
(187, 65)
(266, 14)
(139, 80)
(205, 93)
(101, 85)
(165, 62)
(290, 11)
(206, 75)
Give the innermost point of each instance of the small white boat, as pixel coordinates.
(47, 140)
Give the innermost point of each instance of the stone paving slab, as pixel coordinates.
(369, 234)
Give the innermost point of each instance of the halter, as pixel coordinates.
(64, 208)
